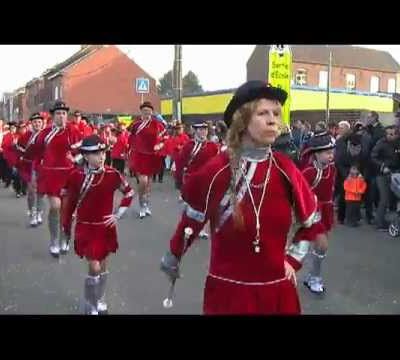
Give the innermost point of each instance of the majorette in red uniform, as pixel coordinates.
(145, 140)
(86, 128)
(194, 155)
(3, 164)
(11, 156)
(79, 124)
(177, 141)
(120, 148)
(89, 193)
(28, 167)
(58, 144)
(105, 135)
(248, 199)
(320, 172)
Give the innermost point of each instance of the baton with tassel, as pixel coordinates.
(168, 303)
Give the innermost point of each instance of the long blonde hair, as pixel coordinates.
(240, 121)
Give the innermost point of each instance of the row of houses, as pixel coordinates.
(98, 80)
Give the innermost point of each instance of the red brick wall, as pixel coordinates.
(363, 77)
(105, 82)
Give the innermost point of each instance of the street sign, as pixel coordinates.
(142, 85)
(280, 74)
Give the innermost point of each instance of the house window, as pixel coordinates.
(323, 79)
(56, 93)
(374, 85)
(391, 86)
(301, 77)
(350, 82)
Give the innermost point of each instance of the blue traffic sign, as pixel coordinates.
(142, 85)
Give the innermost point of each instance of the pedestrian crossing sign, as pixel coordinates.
(142, 85)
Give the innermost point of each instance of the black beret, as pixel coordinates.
(253, 90)
(59, 105)
(92, 143)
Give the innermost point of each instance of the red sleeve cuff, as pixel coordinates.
(293, 262)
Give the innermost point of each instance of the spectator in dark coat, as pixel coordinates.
(373, 132)
(385, 156)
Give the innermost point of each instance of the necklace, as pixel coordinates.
(257, 210)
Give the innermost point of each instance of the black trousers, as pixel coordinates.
(4, 171)
(119, 164)
(8, 175)
(18, 184)
(353, 212)
(341, 203)
(371, 198)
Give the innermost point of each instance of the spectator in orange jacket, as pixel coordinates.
(354, 187)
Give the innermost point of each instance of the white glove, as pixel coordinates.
(111, 220)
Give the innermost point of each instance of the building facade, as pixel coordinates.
(97, 79)
(354, 69)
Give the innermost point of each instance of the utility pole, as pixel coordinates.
(177, 83)
(328, 88)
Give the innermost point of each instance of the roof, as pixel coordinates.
(343, 56)
(79, 55)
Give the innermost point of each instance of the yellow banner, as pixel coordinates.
(280, 74)
(125, 120)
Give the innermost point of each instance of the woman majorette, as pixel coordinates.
(58, 144)
(145, 141)
(319, 171)
(28, 168)
(193, 156)
(89, 192)
(248, 193)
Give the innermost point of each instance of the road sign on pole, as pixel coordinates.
(280, 74)
(142, 85)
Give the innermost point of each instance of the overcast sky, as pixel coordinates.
(217, 66)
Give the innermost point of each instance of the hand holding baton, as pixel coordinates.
(168, 303)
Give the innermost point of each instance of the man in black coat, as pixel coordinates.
(385, 157)
(374, 131)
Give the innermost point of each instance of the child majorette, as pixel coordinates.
(193, 156)
(89, 193)
(28, 168)
(320, 173)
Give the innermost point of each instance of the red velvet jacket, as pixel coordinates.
(207, 198)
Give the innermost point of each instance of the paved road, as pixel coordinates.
(361, 270)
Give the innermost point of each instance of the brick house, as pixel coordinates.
(353, 68)
(13, 105)
(98, 79)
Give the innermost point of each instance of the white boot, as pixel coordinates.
(203, 235)
(91, 294)
(315, 285)
(64, 244)
(39, 217)
(142, 213)
(147, 210)
(33, 218)
(101, 304)
(54, 250)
